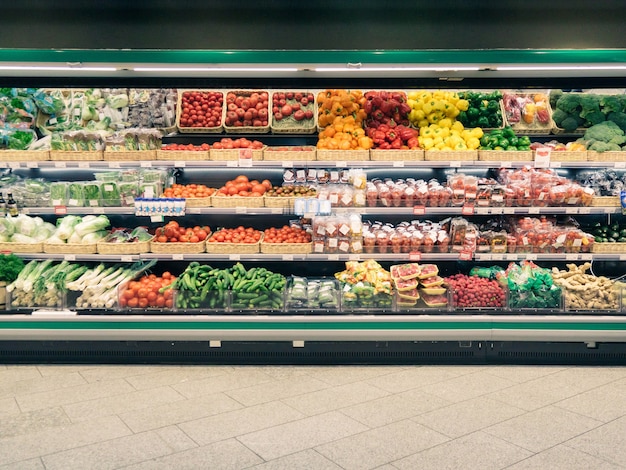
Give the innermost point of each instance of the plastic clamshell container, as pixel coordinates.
(364, 299)
(425, 304)
(313, 295)
(516, 302)
(20, 301)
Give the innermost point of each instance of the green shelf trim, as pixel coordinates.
(326, 325)
(207, 57)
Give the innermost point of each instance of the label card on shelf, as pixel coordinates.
(60, 210)
(586, 257)
(609, 210)
(245, 157)
(542, 157)
(415, 256)
(485, 257)
(497, 256)
(241, 210)
(84, 165)
(622, 257)
(69, 257)
(341, 164)
(232, 163)
(482, 210)
(571, 210)
(497, 210)
(156, 218)
(25, 210)
(287, 257)
(399, 164)
(114, 165)
(43, 313)
(126, 258)
(584, 210)
(455, 164)
(466, 255)
(468, 209)
(32, 165)
(534, 210)
(531, 257)
(146, 164)
(180, 164)
(419, 210)
(276, 210)
(60, 165)
(555, 165)
(571, 257)
(508, 210)
(287, 164)
(506, 164)
(333, 257)
(98, 210)
(234, 257)
(620, 165)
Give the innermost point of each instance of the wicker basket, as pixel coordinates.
(606, 201)
(182, 155)
(177, 248)
(452, 156)
(231, 248)
(379, 155)
(568, 156)
(129, 155)
(24, 155)
(286, 202)
(505, 155)
(343, 155)
(198, 201)
(70, 248)
(609, 156)
(14, 247)
(287, 248)
(237, 201)
(274, 155)
(134, 248)
(232, 154)
(249, 129)
(311, 126)
(198, 130)
(76, 156)
(613, 247)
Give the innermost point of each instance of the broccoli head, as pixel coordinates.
(570, 103)
(554, 97)
(604, 132)
(590, 104)
(610, 104)
(604, 147)
(618, 140)
(569, 124)
(594, 118)
(618, 118)
(558, 115)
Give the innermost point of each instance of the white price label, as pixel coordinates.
(497, 210)
(506, 164)
(232, 163)
(83, 165)
(69, 257)
(98, 210)
(178, 257)
(146, 164)
(584, 210)
(534, 210)
(571, 257)
(555, 164)
(415, 256)
(234, 257)
(455, 164)
(180, 164)
(287, 164)
(497, 256)
(126, 258)
(25, 210)
(276, 210)
(622, 257)
(114, 165)
(586, 257)
(609, 210)
(620, 165)
(482, 210)
(32, 165)
(508, 210)
(341, 164)
(398, 164)
(542, 157)
(333, 257)
(156, 218)
(485, 257)
(571, 210)
(15, 165)
(53, 313)
(531, 257)
(353, 257)
(241, 210)
(287, 257)
(60, 165)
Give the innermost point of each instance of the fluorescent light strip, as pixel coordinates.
(215, 69)
(397, 69)
(47, 68)
(560, 67)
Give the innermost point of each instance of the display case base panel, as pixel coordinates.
(312, 353)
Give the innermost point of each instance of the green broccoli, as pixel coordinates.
(603, 132)
(618, 118)
(554, 97)
(570, 103)
(569, 124)
(610, 104)
(618, 140)
(558, 115)
(598, 146)
(590, 104)
(594, 118)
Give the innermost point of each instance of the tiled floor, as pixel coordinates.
(378, 417)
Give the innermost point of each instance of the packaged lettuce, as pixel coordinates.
(76, 195)
(110, 194)
(115, 143)
(128, 192)
(58, 193)
(93, 195)
(108, 176)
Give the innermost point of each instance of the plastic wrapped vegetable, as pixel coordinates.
(110, 194)
(76, 194)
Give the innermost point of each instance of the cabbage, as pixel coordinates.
(91, 224)
(74, 238)
(6, 226)
(94, 237)
(54, 240)
(65, 226)
(19, 238)
(25, 225)
(4, 238)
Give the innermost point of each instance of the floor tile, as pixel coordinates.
(222, 383)
(41, 384)
(477, 450)
(379, 446)
(334, 398)
(307, 459)
(285, 439)
(33, 421)
(118, 404)
(17, 374)
(175, 438)
(49, 370)
(59, 397)
(343, 375)
(111, 454)
(225, 455)
(605, 442)
(60, 438)
(387, 466)
(467, 386)
(235, 423)
(180, 375)
(276, 390)
(176, 412)
(565, 457)
(108, 372)
(541, 429)
(603, 403)
(30, 464)
(414, 377)
(522, 374)
(397, 407)
(8, 407)
(468, 416)
(279, 372)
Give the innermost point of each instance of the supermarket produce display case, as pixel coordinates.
(319, 335)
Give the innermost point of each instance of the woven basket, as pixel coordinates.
(177, 248)
(505, 155)
(343, 155)
(198, 201)
(614, 247)
(14, 247)
(606, 201)
(287, 248)
(222, 155)
(379, 155)
(286, 202)
(453, 156)
(610, 156)
(311, 126)
(198, 130)
(76, 156)
(568, 156)
(70, 248)
(134, 248)
(182, 155)
(130, 155)
(231, 248)
(237, 201)
(249, 129)
(24, 155)
(270, 154)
